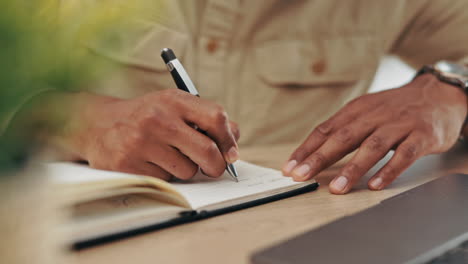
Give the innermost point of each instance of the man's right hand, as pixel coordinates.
(154, 135)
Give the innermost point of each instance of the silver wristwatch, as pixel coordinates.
(448, 72)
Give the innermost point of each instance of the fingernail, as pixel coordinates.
(289, 166)
(232, 155)
(376, 183)
(301, 171)
(340, 183)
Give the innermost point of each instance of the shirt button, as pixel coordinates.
(212, 46)
(318, 67)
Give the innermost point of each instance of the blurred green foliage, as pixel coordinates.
(41, 47)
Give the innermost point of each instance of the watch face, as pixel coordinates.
(453, 70)
(453, 73)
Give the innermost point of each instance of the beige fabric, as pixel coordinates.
(281, 67)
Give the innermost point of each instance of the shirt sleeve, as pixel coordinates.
(433, 31)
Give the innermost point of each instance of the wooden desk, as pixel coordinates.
(232, 238)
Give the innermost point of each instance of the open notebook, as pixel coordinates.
(108, 205)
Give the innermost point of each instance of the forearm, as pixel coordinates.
(51, 122)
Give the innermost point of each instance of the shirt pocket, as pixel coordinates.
(140, 45)
(327, 61)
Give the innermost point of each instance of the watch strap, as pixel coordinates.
(450, 80)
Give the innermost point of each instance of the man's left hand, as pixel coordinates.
(421, 118)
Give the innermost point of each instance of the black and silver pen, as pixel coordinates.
(183, 82)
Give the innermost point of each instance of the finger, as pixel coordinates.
(315, 139)
(219, 130)
(212, 119)
(199, 148)
(171, 160)
(371, 151)
(322, 132)
(148, 169)
(406, 154)
(235, 130)
(340, 143)
(196, 146)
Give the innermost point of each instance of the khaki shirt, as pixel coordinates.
(280, 67)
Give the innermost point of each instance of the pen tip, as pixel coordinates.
(232, 171)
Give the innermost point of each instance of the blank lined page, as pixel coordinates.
(255, 182)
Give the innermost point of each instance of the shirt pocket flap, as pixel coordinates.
(328, 61)
(140, 46)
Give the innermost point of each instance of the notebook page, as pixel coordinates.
(81, 179)
(203, 192)
(71, 173)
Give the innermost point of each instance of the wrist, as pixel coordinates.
(452, 73)
(441, 90)
(444, 90)
(81, 112)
